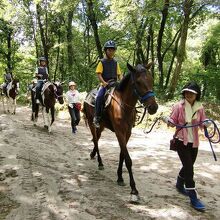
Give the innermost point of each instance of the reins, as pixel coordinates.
(206, 132)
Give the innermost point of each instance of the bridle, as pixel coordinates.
(55, 93)
(141, 98)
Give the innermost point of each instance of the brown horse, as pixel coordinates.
(119, 116)
(10, 94)
(51, 93)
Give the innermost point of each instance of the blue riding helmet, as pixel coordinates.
(110, 44)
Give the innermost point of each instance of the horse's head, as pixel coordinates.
(59, 92)
(142, 81)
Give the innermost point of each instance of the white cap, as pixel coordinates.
(72, 83)
(189, 90)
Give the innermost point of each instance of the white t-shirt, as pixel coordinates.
(73, 96)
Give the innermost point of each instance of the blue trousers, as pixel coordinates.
(75, 117)
(99, 101)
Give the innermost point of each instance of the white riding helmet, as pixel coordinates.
(72, 83)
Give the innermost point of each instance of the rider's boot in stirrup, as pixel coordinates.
(98, 112)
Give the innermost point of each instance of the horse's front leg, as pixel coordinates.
(46, 118)
(43, 114)
(8, 105)
(14, 106)
(3, 102)
(120, 179)
(124, 155)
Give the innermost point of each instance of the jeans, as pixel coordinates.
(75, 117)
(38, 88)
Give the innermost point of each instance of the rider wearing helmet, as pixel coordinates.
(73, 99)
(7, 78)
(107, 70)
(42, 75)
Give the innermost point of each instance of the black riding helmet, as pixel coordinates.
(110, 44)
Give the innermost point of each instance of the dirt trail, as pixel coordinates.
(51, 177)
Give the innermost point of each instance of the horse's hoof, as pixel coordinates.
(92, 156)
(135, 199)
(101, 167)
(121, 183)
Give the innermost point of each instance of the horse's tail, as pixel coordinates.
(52, 111)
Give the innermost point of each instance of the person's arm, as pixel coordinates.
(38, 76)
(102, 80)
(99, 71)
(173, 116)
(119, 75)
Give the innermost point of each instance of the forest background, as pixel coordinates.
(181, 37)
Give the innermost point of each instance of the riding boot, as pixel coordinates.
(98, 111)
(195, 202)
(180, 186)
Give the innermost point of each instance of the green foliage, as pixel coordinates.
(122, 21)
(210, 58)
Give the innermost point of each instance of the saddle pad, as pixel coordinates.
(45, 86)
(90, 98)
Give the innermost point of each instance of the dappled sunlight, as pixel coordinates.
(169, 212)
(57, 178)
(27, 200)
(205, 174)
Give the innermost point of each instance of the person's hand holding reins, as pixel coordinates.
(104, 84)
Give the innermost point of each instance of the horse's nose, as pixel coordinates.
(152, 109)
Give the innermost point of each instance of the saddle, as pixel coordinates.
(45, 86)
(90, 98)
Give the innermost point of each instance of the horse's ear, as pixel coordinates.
(148, 66)
(63, 82)
(131, 68)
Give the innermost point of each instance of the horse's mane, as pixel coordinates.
(123, 82)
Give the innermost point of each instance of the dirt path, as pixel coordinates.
(51, 177)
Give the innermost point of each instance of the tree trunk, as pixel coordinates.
(181, 50)
(70, 52)
(172, 61)
(42, 33)
(92, 18)
(9, 52)
(159, 42)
